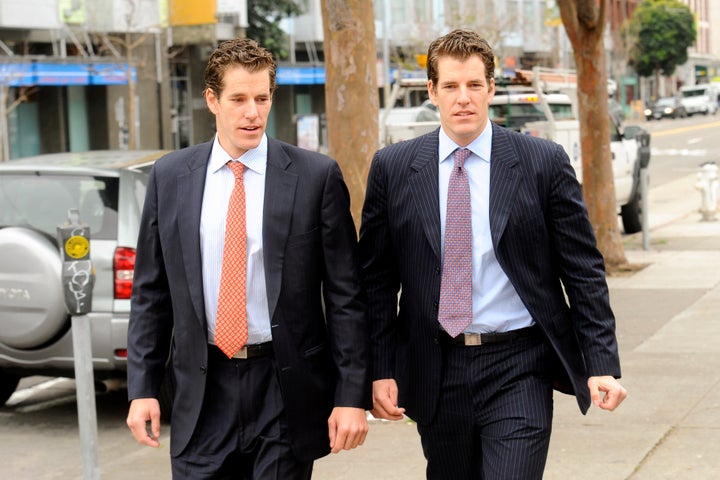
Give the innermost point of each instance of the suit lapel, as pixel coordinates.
(424, 187)
(190, 186)
(504, 181)
(280, 185)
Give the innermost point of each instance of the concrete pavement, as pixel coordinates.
(668, 322)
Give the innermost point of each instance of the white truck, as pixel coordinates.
(630, 146)
(403, 123)
(702, 98)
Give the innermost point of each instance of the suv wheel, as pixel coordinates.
(631, 214)
(8, 384)
(32, 304)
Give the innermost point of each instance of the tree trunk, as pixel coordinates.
(584, 21)
(351, 94)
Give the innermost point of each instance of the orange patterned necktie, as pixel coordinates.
(231, 331)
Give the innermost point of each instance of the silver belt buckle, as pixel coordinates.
(241, 354)
(473, 339)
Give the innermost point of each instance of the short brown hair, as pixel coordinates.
(460, 44)
(242, 52)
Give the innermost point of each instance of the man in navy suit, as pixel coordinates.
(300, 386)
(482, 398)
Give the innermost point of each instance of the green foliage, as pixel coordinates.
(264, 17)
(658, 36)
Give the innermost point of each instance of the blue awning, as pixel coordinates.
(300, 75)
(61, 74)
(294, 75)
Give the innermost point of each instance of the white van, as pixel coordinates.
(701, 98)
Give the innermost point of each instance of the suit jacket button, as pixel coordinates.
(203, 369)
(438, 270)
(436, 305)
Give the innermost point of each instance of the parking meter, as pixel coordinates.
(78, 274)
(78, 279)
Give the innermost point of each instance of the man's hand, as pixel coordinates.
(347, 428)
(385, 397)
(613, 393)
(143, 410)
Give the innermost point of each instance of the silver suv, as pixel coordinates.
(108, 188)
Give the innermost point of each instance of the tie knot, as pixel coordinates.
(460, 155)
(237, 168)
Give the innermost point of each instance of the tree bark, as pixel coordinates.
(351, 94)
(584, 21)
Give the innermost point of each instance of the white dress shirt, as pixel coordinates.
(219, 183)
(496, 305)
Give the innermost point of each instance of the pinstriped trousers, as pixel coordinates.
(494, 415)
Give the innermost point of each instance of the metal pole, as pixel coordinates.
(644, 194)
(85, 391)
(78, 279)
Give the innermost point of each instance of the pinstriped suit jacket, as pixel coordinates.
(542, 239)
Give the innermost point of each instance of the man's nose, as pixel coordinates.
(463, 98)
(252, 110)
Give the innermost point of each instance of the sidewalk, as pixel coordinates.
(668, 323)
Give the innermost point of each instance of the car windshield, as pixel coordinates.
(665, 102)
(695, 92)
(41, 202)
(515, 115)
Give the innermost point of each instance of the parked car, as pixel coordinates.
(666, 107)
(108, 188)
(700, 98)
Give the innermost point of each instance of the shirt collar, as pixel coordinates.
(254, 159)
(480, 147)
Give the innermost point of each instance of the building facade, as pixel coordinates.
(112, 74)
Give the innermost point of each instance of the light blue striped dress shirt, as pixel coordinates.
(219, 183)
(496, 305)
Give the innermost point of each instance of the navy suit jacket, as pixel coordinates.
(542, 239)
(312, 281)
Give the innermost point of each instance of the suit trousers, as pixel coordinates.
(494, 414)
(242, 431)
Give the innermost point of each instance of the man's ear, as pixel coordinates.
(432, 93)
(211, 100)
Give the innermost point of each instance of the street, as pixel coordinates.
(680, 145)
(39, 431)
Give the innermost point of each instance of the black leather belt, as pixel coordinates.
(476, 339)
(249, 351)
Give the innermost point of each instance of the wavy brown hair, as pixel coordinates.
(242, 52)
(460, 44)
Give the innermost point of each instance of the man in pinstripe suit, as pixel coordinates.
(540, 315)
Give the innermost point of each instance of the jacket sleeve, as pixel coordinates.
(344, 306)
(150, 325)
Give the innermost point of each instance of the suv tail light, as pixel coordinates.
(123, 266)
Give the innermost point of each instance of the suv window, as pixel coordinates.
(41, 202)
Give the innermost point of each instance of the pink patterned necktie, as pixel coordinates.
(455, 310)
(231, 331)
